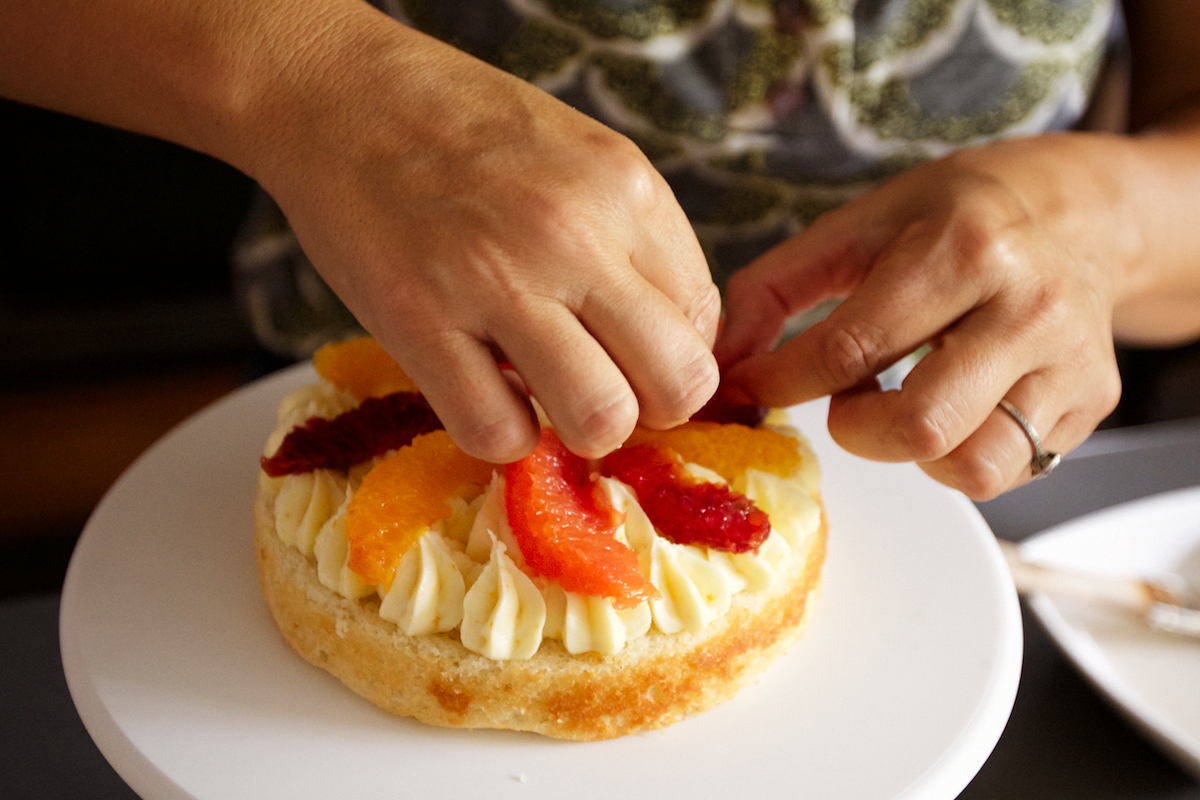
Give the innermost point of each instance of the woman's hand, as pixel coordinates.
(468, 218)
(1006, 261)
(1017, 263)
(465, 217)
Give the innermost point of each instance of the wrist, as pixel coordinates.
(1160, 304)
(1123, 206)
(1081, 189)
(279, 86)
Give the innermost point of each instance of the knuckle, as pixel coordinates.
(1108, 395)
(979, 473)
(705, 312)
(498, 441)
(976, 475)
(972, 235)
(696, 384)
(1097, 399)
(928, 434)
(603, 428)
(631, 171)
(617, 163)
(986, 234)
(981, 245)
(848, 355)
(1051, 307)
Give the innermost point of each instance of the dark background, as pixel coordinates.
(117, 317)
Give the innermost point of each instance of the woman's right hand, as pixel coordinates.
(468, 219)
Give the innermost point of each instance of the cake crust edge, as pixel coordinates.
(655, 681)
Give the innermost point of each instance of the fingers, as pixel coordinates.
(667, 255)
(609, 311)
(660, 321)
(1063, 377)
(981, 459)
(947, 417)
(822, 262)
(625, 334)
(905, 299)
(627, 354)
(999, 455)
(582, 390)
(484, 413)
(594, 393)
(598, 361)
(662, 354)
(996, 326)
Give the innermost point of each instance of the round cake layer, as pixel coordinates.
(654, 681)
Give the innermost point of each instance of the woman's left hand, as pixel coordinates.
(1006, 261)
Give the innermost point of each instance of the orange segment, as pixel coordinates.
(728, 450)
(564, 533)
(401, 497)
(362, 367)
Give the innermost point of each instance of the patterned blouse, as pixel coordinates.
(762, 114)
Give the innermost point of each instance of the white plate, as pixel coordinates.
(900, 688)
(1153, 678)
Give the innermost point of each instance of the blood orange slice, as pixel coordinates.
(685, 510)
(362, 367)
(564, 533)
(402, 496)
(375, 426)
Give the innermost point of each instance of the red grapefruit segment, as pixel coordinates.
(564, 533)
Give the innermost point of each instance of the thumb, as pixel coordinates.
(794, 276)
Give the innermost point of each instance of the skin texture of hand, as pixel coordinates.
(951, 256)
(481, 221)
(1011, 263)
(466, 218)
(1016, 264)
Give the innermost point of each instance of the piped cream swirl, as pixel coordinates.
(427, 593)
(467, 571)
(503, 612)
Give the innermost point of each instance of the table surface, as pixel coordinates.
(1063, 741)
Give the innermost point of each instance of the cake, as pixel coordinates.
(579, 600)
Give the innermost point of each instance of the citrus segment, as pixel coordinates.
(684, 510)
(728, 450)
(719, 409)
(362, 367)
(377, 425)
(402, 496)
(564, 532)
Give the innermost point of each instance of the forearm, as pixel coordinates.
(215, 76)
(1158, 300)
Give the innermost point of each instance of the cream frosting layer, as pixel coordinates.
(466, 572)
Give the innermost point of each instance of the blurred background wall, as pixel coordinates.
(117, 318)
